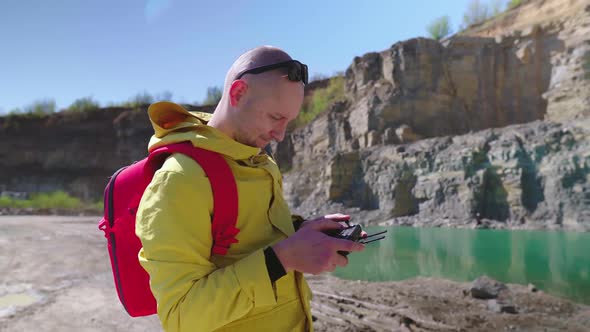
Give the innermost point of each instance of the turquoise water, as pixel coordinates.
(555, 262)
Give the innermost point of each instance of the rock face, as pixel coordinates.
(433, 89)
(422, 88)
(534, 175)
(389, 150)
(568, 22)
(74, 152)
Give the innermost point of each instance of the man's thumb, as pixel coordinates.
(326, 224)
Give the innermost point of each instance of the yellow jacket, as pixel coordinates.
(194, 290)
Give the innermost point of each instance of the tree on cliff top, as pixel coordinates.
(439, 28)
(478, 12)
(83, 105)
(37, 108)
(213, 96)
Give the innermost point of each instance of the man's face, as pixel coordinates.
(263, 119)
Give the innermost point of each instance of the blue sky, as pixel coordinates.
(112, 50)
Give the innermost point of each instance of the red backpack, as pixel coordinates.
(121, 200)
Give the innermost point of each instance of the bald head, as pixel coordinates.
(256, 107)
(257, 57)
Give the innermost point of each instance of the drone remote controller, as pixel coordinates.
(353, 233)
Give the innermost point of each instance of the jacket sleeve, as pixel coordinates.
(174, 225)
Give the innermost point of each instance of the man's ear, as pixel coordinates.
(237, 90)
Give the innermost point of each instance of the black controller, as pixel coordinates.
(353, 233)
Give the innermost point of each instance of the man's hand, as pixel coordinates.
(332, 217)
(338, 217)
(309, 250)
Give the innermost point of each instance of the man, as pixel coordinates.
(258, 285)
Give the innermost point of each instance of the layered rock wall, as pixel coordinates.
(74, 152)
(420, 133)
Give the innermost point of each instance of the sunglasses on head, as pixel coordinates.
(296, 71)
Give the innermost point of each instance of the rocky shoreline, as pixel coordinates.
(481, 224)
(431, 304)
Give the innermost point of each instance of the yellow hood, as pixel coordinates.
(173, 123)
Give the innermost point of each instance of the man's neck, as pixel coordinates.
(221, 123)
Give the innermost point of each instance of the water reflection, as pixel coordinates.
(556, 262)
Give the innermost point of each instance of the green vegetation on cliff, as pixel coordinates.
(320, 101)
(440, 28)
(83, 105)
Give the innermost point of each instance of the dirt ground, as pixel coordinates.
(56, 274)
(427, 304)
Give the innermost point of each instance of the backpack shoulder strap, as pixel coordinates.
(223, 185)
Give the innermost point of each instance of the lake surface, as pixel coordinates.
(555, 262)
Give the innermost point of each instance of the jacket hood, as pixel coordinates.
(172, 123)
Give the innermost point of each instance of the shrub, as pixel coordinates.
(54, 200)
(439, 28)
(213, 95)
(479, 12)
(15, 111)
(6, 202)
(35, 110)
(514, 3)
(98, 205)
(476, 13)
(58, 199)
(140, 99)
(41, 107)
(38, 108)
(83, 105)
